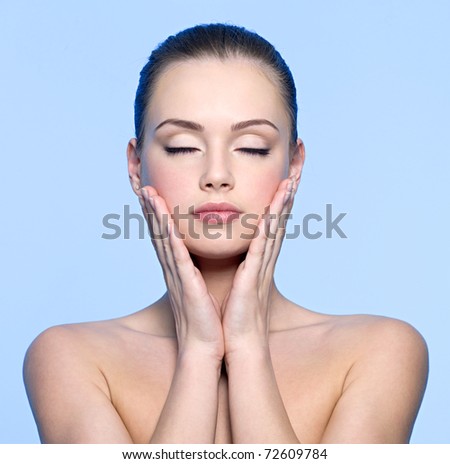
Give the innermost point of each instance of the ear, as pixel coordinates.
(134, 166)
(296, 161)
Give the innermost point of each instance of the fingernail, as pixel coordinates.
(287, 195)
(289, 186)
(152, 201)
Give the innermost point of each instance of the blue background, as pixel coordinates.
(373, 83)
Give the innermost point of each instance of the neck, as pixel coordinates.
(218, 274)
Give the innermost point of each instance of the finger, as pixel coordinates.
(181, 258)
(157, 232)
(174, 256)
(281, 232)
(277, 220)
(163, 217)
(144, 195)
(180, 265)
(260, 249)
(189, 278)
(150, 190)
(255, 254)
(150, 215)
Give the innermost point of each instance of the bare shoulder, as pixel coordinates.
(87, 349)
(67, 344)
(358, 332)
(67, 390)
(385, 380)
(54, 348)
(374, 336)
(362, 334)
(392, 347)
(68, 350)
(378, 365)
(89, 343)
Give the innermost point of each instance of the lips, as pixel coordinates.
(217, 213)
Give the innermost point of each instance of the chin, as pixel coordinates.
(219, 248)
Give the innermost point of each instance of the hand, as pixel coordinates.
(196, 312)
(246, 307)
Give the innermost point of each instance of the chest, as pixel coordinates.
(309, 382)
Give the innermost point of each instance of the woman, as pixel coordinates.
(223, 356)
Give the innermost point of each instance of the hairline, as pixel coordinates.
(259, 65)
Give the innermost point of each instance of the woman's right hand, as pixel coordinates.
(196, 312)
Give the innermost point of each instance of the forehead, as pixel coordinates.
(214, 91)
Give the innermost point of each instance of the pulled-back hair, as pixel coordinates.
(219, 41)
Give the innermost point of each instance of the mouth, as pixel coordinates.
(217, 213)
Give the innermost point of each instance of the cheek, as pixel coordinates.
(170, 184)
(261, 188)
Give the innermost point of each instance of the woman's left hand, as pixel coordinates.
(245, 309)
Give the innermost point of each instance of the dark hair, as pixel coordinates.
(220, 41)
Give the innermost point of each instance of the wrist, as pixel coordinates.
(247, 351)
(199, 357)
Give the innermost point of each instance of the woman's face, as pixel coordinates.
(218, 161)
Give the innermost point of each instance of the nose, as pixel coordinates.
(217, 173)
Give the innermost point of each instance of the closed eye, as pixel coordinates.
(255, 151)
(250, 151)
(179, 150)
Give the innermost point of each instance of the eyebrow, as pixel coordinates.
(191, 125)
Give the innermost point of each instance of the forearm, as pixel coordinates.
(257, 411)
(190, 412)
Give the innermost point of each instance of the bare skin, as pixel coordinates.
(223, 356)
(342, 379)
(107, 382)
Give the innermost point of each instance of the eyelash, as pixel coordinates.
(249, 151)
